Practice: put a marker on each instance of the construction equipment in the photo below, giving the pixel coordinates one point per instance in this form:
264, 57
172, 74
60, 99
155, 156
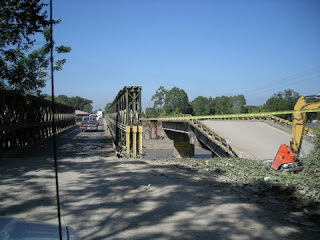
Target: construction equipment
287, 158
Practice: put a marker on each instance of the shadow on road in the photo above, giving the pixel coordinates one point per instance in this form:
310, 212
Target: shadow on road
103, 197
116, 199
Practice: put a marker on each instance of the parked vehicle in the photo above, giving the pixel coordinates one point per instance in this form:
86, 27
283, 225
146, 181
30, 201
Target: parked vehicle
12, 228
89, 123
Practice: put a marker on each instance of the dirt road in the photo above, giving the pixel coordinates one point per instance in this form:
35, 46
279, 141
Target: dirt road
103, 197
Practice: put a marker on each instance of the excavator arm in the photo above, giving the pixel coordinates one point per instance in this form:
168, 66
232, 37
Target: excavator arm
287, 158
299, 123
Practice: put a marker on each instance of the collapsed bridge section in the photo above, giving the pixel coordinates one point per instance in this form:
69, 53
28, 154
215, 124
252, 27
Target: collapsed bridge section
187, 134
254, 139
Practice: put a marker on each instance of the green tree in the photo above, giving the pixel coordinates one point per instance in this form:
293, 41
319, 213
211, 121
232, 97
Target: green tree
291, 97
254, 109
275, 104
315, 115
177, 101
87, 108
81, 103
20, 20
22, 69
159, 97
219, 105
222, 105
77, 102
107, 108
46, 97
63, 99
151, 112
211, 106
238, 104
201, 106
283, 100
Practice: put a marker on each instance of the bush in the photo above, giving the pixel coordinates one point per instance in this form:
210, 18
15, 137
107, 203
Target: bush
312, 162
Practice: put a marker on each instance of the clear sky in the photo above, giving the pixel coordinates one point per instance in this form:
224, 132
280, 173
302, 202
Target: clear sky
206, 47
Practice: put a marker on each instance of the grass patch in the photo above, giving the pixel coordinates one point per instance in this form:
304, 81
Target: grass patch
312, 163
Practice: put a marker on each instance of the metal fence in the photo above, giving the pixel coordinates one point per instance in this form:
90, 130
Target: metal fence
26, 119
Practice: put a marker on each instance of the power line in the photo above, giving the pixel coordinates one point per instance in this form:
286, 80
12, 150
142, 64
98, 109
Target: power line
284, 82
281, 82
263, 90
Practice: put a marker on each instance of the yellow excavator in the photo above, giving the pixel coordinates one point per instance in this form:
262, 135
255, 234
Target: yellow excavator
287, 158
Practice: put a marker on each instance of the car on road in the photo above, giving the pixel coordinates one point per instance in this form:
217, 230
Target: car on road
94, 115
89, 123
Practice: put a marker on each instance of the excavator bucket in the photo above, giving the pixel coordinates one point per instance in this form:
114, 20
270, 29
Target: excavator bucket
285, 160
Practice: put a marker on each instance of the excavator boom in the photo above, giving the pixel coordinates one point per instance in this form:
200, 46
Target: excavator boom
299, 122
287, 158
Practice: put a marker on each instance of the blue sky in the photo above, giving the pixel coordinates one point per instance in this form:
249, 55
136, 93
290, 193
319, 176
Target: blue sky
206, 47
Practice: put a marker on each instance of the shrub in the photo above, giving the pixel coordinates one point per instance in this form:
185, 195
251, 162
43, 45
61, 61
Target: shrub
312, 162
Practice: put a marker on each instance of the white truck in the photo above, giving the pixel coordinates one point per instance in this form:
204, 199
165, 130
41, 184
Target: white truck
99, 114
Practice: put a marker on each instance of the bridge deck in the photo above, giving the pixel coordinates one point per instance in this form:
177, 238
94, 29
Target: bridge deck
253, 139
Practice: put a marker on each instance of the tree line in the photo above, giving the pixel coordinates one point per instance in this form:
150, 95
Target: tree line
77, 102
175, 101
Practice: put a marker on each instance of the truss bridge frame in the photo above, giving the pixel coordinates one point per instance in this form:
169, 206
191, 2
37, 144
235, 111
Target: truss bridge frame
124, 122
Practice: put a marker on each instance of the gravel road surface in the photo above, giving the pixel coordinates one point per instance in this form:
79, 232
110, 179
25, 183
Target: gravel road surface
103, 197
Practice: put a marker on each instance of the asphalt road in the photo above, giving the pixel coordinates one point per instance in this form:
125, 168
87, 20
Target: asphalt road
103, 197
